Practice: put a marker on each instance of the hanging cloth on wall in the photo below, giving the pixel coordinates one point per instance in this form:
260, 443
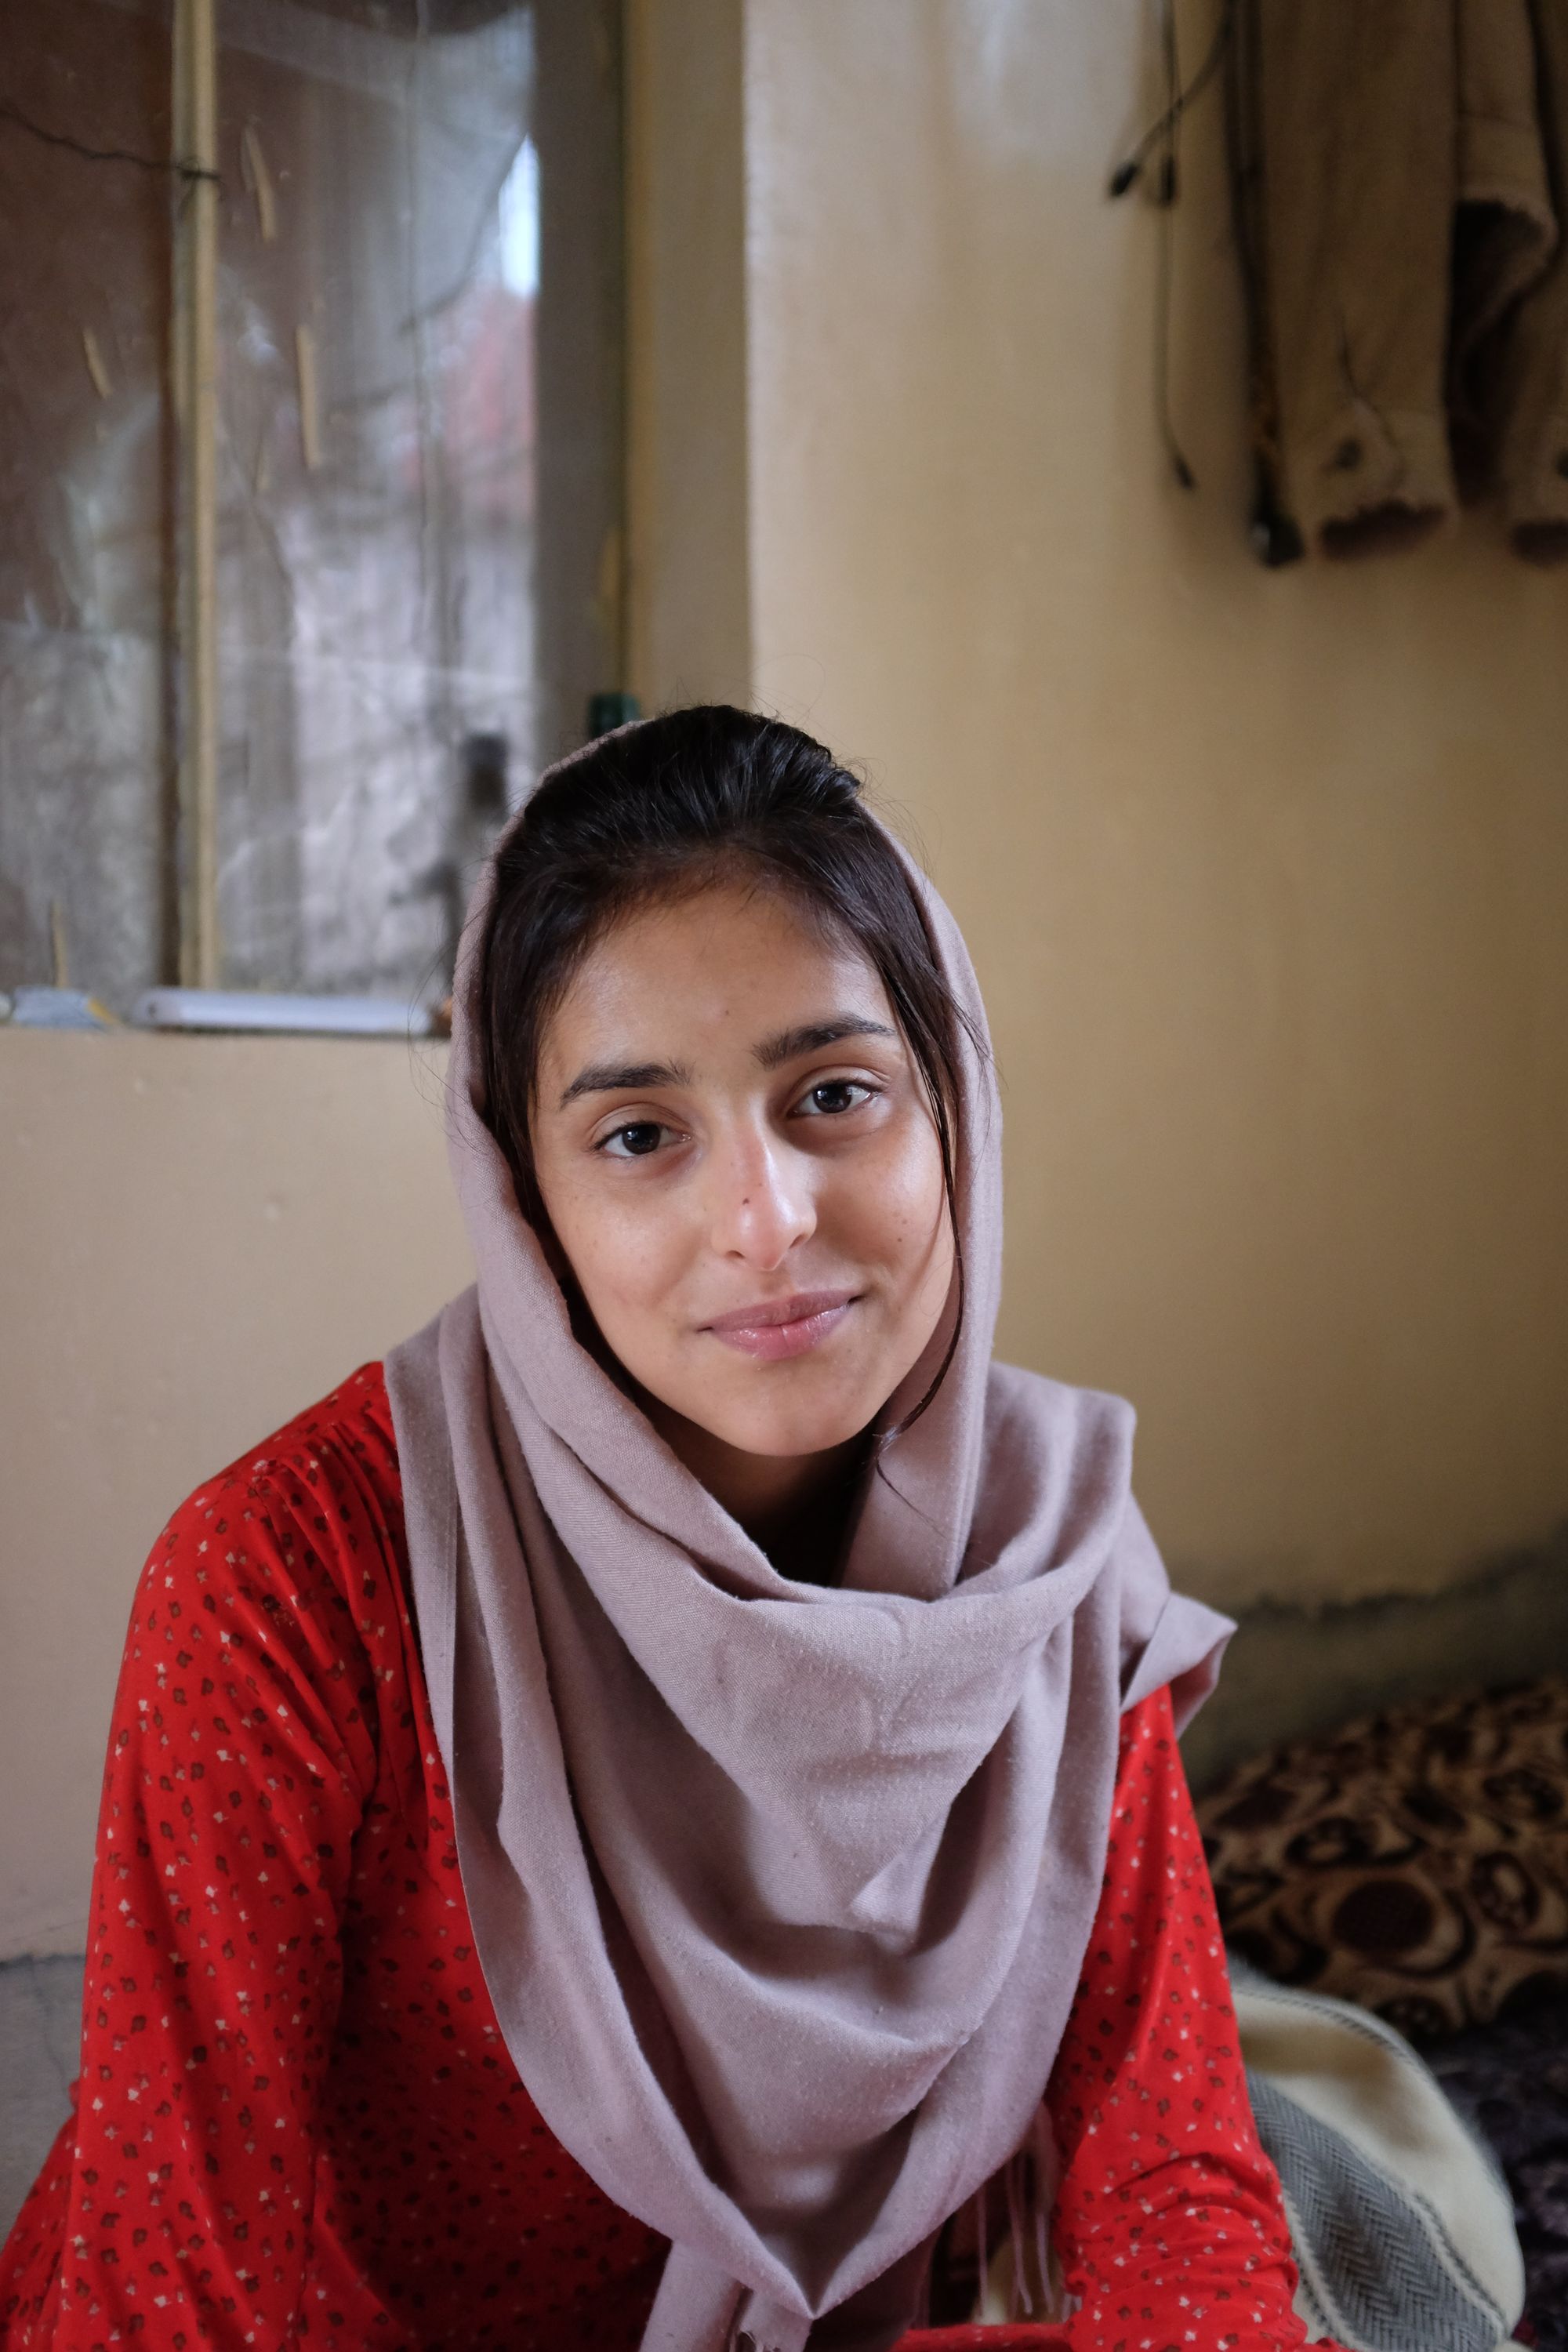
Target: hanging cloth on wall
1398, 174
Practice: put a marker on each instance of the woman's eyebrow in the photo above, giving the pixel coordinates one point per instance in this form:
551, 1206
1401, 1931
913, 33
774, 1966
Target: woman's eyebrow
809, 1037
624, 1077
812, 1035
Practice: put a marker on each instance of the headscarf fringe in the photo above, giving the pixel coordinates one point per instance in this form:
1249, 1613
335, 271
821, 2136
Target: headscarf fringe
1025, 2282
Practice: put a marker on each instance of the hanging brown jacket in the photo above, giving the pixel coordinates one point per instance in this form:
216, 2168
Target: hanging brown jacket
1397, 166
1530, 370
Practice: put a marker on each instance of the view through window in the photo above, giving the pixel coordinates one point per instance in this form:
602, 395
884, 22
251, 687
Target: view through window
415, 485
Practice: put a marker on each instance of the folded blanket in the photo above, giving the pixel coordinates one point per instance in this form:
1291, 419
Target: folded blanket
1402, 2220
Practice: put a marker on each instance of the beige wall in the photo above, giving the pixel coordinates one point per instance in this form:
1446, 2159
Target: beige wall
688, 537
197, 1237
1265, 874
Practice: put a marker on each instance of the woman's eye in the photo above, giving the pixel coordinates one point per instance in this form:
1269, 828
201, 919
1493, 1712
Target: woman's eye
835, 1095
634, 1141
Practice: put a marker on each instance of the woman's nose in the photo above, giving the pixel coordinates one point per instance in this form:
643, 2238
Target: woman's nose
760, 1203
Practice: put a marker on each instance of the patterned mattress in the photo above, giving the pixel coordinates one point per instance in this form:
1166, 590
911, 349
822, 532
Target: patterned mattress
1416, 1862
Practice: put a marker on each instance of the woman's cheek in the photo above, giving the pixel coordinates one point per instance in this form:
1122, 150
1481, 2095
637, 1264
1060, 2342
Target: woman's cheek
890, 1205
634, 1252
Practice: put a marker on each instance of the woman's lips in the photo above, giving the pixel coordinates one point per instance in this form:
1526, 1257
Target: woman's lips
783, 1327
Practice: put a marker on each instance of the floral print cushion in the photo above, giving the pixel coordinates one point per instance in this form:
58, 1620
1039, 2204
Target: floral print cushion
1416, 1862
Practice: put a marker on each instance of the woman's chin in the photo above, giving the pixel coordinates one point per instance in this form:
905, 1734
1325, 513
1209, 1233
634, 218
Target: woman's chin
795, 1444
779, 1427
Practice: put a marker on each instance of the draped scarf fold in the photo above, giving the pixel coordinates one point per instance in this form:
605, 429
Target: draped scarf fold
781, 1890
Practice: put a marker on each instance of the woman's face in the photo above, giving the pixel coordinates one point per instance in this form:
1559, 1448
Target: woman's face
737, 1157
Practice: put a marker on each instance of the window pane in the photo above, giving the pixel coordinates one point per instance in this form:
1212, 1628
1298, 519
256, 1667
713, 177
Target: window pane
416, 583
377, 463
84, 496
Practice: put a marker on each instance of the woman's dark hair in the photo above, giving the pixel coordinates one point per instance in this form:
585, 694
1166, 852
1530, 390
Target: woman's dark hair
667, 807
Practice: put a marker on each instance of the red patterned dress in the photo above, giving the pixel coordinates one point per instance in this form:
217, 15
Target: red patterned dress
296, 2123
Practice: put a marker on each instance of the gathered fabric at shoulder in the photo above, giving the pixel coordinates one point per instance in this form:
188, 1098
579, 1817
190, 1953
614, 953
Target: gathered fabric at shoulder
781, 1889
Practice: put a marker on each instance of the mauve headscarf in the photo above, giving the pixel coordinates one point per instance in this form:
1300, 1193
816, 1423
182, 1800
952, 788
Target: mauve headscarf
781, 1890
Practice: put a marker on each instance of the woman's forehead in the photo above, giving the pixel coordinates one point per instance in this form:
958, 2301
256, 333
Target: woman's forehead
731, 970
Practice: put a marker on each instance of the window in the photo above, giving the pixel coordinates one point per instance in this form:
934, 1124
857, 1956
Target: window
415, 470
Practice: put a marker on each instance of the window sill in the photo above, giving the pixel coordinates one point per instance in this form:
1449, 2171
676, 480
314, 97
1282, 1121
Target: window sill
227, 1013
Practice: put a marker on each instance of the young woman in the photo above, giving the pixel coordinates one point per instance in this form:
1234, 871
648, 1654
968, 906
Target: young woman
617, 1829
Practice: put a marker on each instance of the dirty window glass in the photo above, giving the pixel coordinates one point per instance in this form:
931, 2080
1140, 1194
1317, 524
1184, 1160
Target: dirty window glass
84, 496
416, 472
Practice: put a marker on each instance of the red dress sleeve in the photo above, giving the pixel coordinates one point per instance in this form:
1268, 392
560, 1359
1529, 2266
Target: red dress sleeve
1169, 2220
241, 1750
1168, 2223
